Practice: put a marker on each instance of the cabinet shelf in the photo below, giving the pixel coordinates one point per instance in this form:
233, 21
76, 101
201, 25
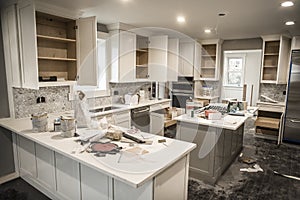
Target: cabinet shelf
269, 66
142, 50
55, 38
145, 65
209, 55
58, 59
271, 54
208, 68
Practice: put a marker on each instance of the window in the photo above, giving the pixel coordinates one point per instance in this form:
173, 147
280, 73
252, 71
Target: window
234, 70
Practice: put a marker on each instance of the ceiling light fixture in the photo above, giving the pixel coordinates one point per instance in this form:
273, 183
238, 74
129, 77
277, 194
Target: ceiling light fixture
287, 4
289, 23
207, 31
180, 19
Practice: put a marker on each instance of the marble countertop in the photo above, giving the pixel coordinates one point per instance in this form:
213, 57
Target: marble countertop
134, 173
124, 107
226, 122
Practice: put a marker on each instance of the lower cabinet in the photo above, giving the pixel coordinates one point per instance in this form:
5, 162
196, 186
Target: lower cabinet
45, 163
216, 149
26, 156
122, 119
67, 177
95, 185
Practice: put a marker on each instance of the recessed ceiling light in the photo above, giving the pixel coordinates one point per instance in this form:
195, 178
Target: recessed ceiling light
287, 4
207, 30
289, 23
180, 19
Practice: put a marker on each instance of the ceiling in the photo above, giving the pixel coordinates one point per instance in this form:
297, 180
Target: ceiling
244, 18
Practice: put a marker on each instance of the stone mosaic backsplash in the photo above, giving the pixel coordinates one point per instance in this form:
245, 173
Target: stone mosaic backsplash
273, 91
25, 100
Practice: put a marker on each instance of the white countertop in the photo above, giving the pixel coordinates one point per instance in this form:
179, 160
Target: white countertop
130, 173
227, 121
123, 107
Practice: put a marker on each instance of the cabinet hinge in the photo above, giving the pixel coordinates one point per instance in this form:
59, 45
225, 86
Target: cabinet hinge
75, 27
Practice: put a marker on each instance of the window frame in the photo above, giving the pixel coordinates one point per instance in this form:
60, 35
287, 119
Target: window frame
230, 55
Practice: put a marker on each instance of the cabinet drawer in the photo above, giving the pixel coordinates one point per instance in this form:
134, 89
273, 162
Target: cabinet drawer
121, 116
267, 122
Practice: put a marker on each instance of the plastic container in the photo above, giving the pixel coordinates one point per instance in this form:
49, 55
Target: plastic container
189, 107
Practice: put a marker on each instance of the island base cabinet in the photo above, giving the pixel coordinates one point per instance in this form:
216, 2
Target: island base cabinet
124, 191
95, 185
26, 156
172, 183
67, 177
45, 167
216, 149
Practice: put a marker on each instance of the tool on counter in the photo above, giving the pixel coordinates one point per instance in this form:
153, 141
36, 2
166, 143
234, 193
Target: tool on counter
137, 140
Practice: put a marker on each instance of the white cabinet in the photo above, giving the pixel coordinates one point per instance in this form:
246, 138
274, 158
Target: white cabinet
275, 59
27, 44
94, 185
10, 41
122, 119
123, 191
208, 60
87, 73
122, 47
47, 47
26, 156
157, 123
158, 58
45, 167
186, 58
67, 177
173, 59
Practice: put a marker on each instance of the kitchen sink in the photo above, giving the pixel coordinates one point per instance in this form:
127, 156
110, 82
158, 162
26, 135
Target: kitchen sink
103, 109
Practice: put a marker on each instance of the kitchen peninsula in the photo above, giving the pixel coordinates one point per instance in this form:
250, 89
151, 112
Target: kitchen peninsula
52, 164
218, 143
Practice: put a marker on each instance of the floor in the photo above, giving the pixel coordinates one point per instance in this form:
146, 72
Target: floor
232, 185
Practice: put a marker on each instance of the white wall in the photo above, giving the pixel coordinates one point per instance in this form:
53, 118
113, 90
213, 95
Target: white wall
251, 78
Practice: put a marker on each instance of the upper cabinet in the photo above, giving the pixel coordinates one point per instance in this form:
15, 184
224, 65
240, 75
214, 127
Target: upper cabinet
122, 56
275, 59
142, 58
51, 48
158, 58
173, 59
186, 58
208, 62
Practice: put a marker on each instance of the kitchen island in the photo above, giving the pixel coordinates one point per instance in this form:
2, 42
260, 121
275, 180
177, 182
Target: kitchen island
54, 166
218, 144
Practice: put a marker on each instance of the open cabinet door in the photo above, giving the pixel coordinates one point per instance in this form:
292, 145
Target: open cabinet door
87, 73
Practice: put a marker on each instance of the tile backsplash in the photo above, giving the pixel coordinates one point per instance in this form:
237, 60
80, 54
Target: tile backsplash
273, 91
25, 100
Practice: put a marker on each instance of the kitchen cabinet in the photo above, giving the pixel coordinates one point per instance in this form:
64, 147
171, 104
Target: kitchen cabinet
45, 163
27, 44
26, 156
186, 58
94, 185
10, 41
67, 177
269, 120
122, 119
123, 56
142, 58
275, 59
208, 64
173, 59
158, 58
48, 46
216, 149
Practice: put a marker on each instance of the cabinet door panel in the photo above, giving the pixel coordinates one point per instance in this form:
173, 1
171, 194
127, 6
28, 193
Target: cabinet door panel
123, 191
26, 153
186, 50
94, 185
158, 58
28, 44
173, 59
157, 124
127, 56
45, 166
67, 177
86, 45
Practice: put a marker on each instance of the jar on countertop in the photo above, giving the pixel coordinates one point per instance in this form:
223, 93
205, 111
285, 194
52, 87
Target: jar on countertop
39, 122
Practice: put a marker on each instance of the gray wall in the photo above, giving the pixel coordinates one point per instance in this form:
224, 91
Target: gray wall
242, 44
4, 106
